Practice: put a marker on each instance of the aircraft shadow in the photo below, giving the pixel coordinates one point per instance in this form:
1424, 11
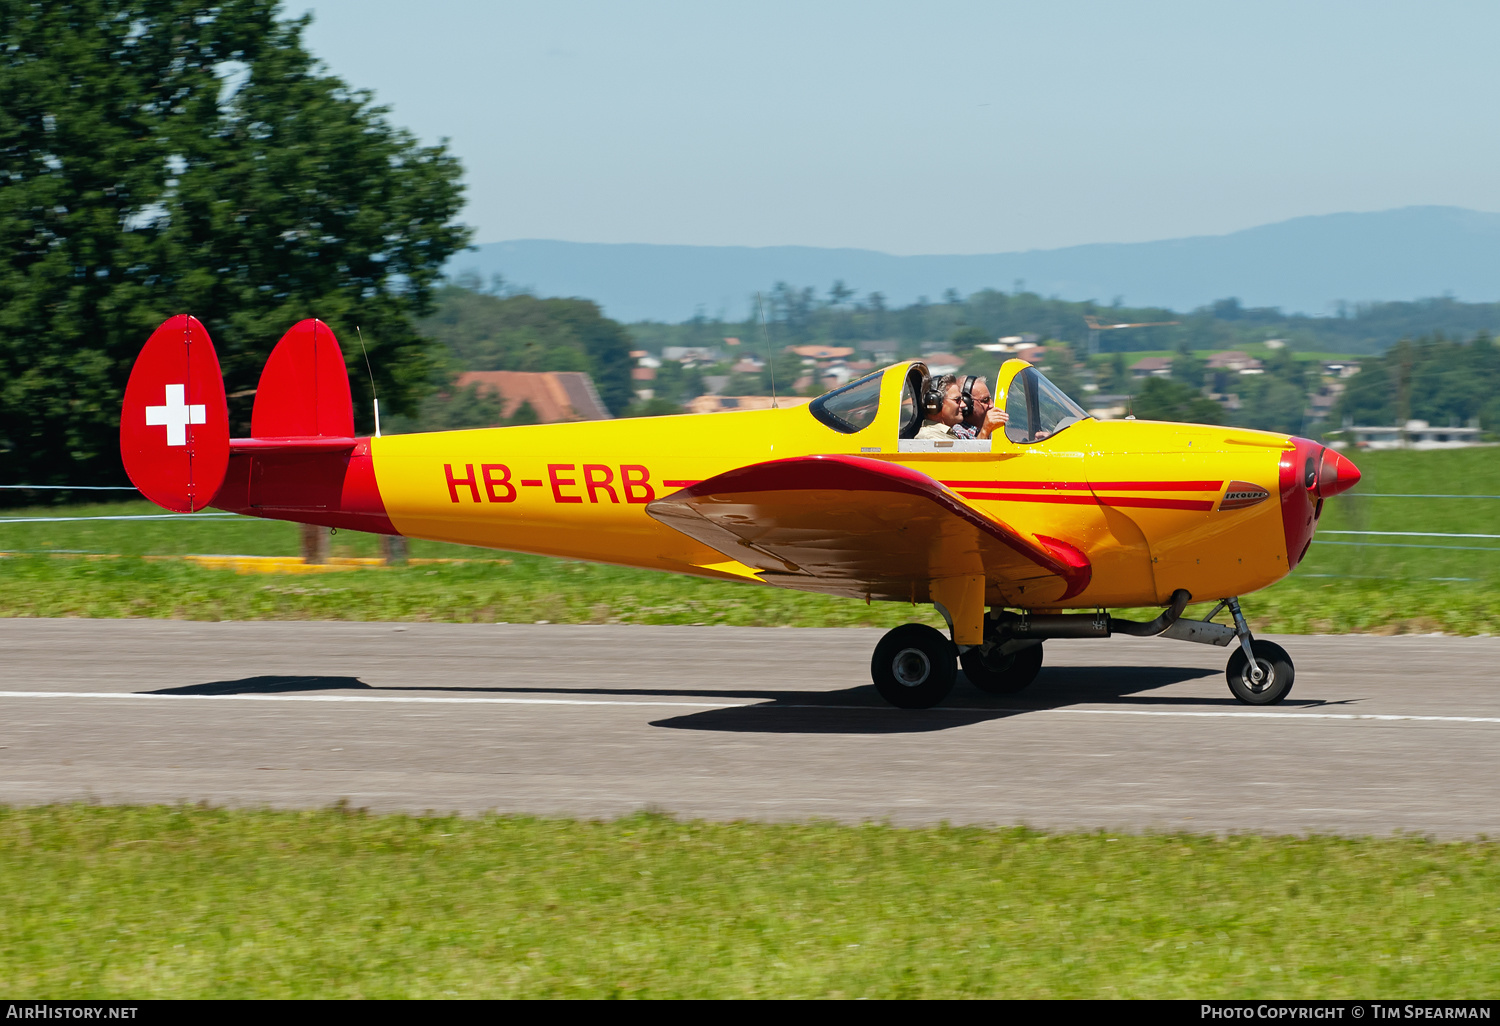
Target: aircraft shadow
850, 712
856, 710
268, 686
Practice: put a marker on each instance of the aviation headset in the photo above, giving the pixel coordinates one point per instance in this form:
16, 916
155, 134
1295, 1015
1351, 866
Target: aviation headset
933, 400
966, 397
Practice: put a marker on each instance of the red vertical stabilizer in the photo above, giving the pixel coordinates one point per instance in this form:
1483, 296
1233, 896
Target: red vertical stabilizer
174, 423
304, 388
303, 462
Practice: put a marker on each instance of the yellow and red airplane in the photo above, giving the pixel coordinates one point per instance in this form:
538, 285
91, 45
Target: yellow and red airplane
837, 496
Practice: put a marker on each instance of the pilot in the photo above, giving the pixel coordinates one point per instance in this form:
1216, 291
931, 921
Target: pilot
942, 409
979, 417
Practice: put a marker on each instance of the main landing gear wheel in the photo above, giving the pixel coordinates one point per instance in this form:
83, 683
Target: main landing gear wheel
913, 667
1002, 674
1276, 667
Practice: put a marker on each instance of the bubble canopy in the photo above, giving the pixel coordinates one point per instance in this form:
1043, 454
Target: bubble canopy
1037, 408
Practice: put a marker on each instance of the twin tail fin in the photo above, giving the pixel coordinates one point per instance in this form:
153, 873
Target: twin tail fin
174, 423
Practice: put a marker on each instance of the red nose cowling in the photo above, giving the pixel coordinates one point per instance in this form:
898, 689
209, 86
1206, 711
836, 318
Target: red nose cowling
1336, 474
1309, 474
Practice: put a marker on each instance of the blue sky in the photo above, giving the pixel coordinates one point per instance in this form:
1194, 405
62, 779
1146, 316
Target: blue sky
931, 127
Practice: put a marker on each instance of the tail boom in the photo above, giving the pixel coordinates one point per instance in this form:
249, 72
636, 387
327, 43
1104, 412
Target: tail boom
311, 481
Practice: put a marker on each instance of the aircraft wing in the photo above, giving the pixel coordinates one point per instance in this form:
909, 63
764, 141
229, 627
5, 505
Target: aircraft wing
849, 525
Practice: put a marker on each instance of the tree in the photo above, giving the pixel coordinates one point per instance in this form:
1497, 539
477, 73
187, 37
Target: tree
1162, 399
525, 414
524, 333
450, 410
1119, 375
657, 407
968, 337
136, 181
1061, 368
1186, 367
1271, 404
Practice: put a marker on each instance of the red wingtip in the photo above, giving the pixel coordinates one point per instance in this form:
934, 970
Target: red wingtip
1337, 474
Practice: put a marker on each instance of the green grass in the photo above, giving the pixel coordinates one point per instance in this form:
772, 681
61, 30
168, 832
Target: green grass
532, 589
1461, 472
520, 589
242, 536
184, 902
1340, 587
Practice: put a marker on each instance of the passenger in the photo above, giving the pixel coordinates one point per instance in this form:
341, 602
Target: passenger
941, 409
980, 418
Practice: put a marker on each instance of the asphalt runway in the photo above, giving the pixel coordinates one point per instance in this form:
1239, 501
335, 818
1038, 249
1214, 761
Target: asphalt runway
1380, 734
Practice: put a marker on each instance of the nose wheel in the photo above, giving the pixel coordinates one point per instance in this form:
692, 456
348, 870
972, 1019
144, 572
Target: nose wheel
914, 667
1264, 679
1275, 678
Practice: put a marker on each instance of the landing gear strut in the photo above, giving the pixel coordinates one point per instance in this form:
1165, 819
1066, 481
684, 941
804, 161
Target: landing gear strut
1259, 672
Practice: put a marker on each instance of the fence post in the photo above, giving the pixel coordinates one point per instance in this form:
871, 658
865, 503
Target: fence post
314, 544
393, 547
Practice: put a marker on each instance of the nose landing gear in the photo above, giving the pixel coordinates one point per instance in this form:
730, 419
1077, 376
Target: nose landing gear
1274, 679
1259, 672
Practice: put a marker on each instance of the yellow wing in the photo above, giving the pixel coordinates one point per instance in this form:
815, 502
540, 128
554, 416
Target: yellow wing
848, 525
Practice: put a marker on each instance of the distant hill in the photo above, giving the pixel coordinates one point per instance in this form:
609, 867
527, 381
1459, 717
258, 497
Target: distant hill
1305, 265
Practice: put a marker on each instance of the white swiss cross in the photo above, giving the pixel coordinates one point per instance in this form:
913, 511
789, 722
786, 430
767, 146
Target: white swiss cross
176, 415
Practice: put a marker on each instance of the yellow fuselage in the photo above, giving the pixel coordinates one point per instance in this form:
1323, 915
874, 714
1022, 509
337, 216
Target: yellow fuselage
1144, 501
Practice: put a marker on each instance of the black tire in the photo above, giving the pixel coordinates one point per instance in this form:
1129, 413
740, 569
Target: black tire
1274, 663
997, 674
914, 667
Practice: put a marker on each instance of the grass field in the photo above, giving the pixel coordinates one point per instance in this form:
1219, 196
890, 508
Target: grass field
1349, 581
186, 902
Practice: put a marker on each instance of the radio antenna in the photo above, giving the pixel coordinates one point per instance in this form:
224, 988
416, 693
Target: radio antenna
770, 359
373, 397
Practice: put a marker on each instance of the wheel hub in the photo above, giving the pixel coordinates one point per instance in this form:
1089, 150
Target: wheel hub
911, 667
1259, 677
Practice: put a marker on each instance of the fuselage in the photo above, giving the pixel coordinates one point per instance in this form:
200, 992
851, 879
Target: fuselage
1154, 506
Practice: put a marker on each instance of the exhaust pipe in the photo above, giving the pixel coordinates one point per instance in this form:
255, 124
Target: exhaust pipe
1180, 598
1023, 627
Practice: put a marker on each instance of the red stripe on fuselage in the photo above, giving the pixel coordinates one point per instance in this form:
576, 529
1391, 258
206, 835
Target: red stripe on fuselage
1085, 500
1139, 502
1143, 502
1105, 486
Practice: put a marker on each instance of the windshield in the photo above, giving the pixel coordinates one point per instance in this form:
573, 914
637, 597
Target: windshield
850, 408
1037, 408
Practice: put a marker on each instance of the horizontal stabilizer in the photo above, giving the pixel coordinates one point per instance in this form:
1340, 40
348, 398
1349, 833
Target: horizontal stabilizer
317, 443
